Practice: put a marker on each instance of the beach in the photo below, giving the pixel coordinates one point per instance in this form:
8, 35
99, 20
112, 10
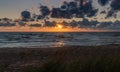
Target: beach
60, 36
105, 58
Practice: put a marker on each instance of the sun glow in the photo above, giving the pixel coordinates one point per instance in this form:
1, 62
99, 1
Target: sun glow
59, 26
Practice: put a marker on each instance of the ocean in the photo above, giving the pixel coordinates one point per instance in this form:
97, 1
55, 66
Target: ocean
44, 39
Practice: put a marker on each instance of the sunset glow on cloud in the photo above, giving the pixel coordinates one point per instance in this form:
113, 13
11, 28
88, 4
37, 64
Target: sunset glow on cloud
72, 15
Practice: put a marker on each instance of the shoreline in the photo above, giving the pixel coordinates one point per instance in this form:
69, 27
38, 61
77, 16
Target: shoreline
52, 47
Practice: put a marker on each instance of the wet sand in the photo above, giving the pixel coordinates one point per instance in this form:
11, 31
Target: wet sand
24, 59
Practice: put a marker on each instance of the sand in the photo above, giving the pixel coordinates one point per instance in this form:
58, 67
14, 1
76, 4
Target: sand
18, 59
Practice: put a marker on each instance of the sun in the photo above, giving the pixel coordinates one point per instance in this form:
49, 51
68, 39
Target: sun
59, 26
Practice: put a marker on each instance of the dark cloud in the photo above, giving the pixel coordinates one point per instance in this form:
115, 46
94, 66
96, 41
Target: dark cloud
74, 24
26, 15
55, 13
110, 14
103, 12
7, 24
85, 23
104, 25
92, 13
115, 7
85, 6
87, 9
45, 11
65, 11
116, 25
88, 24
50, 24
79, 8
103, 2
21, 24
115, 4
35, 25
40, 17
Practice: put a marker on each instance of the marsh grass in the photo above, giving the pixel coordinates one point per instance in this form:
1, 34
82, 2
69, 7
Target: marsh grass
82, 60
65, 59
78, 66
3, 67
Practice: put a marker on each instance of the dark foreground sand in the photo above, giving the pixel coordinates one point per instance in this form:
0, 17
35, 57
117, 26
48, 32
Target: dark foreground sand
61, 59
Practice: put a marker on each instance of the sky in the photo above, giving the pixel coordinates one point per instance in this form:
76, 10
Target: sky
109, 8
13, 8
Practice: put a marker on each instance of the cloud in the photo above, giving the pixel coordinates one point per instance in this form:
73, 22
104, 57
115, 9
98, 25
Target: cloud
109, 25
103, 2
116, 25
35, 25
50, 24
88, 24
21, 24
26, 14
104, 25
85, 23
110, 14
45, 11
79, 9
103, 12
7, 24
73, 24
115, 5
92, 13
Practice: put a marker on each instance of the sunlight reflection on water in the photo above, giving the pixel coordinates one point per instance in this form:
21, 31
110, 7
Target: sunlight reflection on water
60, 44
